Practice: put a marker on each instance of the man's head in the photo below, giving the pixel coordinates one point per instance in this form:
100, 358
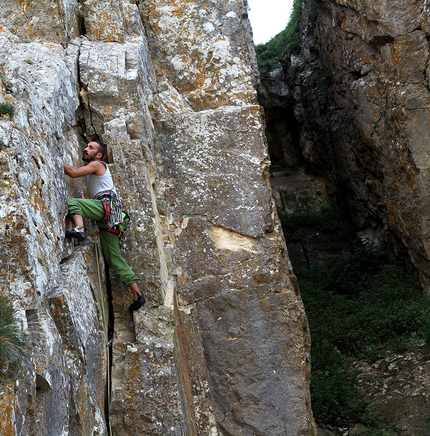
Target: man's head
93, 151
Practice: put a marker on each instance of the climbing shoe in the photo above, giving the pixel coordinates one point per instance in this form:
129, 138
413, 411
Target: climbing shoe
75, 233
137, 304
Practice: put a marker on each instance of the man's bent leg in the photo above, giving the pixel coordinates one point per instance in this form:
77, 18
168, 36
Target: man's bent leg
87, 208
113, 256
79, 208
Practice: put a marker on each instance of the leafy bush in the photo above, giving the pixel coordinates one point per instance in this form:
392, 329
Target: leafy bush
12, 344
270, 54
370, 301
335, 400
361, 304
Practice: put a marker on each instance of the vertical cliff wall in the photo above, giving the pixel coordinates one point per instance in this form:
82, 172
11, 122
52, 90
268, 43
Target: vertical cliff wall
221, 347
359, 90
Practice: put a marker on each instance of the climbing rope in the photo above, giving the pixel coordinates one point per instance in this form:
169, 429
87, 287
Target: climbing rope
106, 329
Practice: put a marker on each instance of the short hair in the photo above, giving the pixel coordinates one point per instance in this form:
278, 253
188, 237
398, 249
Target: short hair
101, 147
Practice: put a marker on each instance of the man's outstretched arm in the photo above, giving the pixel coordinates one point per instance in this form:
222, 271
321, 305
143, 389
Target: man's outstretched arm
93, 167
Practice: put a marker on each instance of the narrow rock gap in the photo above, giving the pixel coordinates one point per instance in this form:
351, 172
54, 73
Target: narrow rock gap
110, 335
64, 260
84, 107
80, 111
81, 25
84, 113
81, 20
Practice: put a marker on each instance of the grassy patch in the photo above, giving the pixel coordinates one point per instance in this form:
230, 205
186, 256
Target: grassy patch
12, 344
6, 110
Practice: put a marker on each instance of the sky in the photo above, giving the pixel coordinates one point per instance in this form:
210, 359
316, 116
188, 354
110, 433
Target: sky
268, 18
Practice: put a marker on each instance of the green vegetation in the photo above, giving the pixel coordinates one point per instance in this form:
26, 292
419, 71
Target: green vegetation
360, 305
318, 80
12, 344
313, 11
303, 227
270, 54
6, 110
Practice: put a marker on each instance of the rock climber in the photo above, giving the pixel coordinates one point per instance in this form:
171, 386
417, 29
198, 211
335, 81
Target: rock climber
100, 185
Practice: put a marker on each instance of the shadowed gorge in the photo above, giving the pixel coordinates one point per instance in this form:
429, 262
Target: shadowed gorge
345, 91
222, 344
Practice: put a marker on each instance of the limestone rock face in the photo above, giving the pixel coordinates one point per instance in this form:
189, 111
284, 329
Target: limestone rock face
222, 346
360, 95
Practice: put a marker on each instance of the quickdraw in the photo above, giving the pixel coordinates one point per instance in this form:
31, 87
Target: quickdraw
117, 219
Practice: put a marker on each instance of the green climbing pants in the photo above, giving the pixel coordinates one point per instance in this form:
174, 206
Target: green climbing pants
93, 209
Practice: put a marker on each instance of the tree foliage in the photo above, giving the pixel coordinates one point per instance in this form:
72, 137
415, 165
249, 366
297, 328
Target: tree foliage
270, 54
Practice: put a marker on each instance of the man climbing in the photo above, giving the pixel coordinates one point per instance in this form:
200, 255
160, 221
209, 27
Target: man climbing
100, 185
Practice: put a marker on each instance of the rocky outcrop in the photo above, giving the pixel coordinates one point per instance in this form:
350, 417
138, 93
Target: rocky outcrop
222, 346
359, 93
397, 388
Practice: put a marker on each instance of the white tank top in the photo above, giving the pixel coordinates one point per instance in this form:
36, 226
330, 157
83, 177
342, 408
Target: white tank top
97, 184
